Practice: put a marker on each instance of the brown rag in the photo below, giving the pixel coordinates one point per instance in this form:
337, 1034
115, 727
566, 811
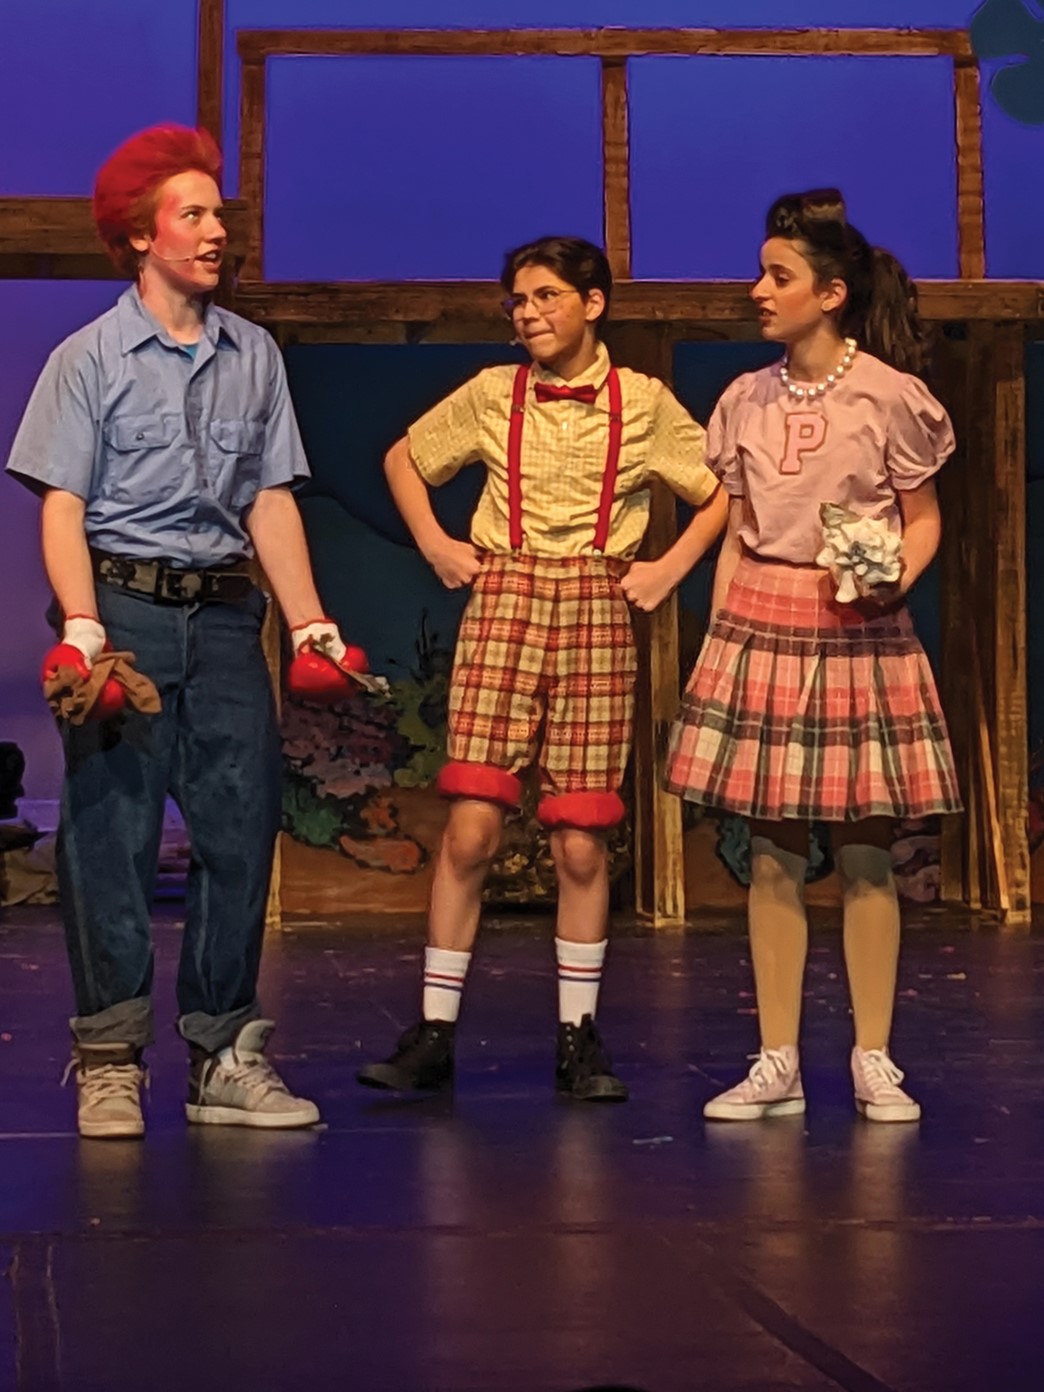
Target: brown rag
72, 696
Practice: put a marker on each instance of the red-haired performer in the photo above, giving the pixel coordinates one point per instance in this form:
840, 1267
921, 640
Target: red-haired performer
545, 663
162, 441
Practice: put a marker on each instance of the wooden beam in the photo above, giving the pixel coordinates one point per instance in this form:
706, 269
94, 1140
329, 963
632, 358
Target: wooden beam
210, 67
699, 303
957, 580
984, 621
971, 231
254, 45
659, 862
616, 167
1005, 658
252, 163
43, 237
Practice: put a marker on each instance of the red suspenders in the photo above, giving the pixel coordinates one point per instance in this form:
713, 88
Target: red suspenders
612, 460
514, 467
518, 416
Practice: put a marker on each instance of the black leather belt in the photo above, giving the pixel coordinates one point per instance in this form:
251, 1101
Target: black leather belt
167, 584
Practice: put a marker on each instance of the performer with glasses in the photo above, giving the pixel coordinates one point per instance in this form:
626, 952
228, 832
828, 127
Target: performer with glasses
545, 664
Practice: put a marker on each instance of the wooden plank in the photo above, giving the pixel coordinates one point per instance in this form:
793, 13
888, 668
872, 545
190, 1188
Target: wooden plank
699, 303
658, 849
971, 230
954, 561
616, 166
1007, 660
994, 854
252, 164
256, 44
48, 227
210, 67
65, 226
986, 598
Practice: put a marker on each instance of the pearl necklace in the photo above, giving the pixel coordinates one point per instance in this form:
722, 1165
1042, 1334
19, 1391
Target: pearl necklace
809, 393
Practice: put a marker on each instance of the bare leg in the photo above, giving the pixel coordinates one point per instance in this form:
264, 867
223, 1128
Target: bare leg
469, 844
582, 862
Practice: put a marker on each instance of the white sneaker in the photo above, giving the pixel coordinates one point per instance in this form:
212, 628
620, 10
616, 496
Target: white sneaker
109, 1080
239, 1087
771, 1088
878, 1095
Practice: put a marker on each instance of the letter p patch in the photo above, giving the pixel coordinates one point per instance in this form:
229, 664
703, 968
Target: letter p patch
806, 431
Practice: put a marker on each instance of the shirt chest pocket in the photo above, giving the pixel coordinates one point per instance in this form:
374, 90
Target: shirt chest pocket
236, 456
141, 461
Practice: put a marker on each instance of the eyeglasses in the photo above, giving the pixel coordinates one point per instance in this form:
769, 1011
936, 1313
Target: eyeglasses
544, 301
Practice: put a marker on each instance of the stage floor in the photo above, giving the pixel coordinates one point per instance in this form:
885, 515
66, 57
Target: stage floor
507, 1241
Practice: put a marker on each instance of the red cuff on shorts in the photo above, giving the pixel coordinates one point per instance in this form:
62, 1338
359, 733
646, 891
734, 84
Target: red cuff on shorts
485, 781
590, 811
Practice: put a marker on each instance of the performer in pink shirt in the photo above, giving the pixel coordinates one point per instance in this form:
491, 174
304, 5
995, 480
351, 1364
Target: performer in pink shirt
802, 708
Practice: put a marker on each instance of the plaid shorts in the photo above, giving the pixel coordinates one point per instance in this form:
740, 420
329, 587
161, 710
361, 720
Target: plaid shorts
802, 708
545, 671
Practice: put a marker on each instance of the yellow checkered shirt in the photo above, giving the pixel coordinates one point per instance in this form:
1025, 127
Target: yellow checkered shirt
564, 446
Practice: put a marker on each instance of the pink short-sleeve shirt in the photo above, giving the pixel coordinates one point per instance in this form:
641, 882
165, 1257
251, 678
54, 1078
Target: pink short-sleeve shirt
874, 434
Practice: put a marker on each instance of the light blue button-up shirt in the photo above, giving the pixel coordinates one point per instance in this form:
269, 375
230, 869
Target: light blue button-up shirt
168, 452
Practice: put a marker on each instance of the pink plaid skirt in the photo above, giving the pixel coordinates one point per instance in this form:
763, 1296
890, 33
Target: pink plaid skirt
801, 708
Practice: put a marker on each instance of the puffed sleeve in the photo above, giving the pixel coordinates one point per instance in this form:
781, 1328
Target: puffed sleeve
722, 437
447, 437
920, 436
676, 453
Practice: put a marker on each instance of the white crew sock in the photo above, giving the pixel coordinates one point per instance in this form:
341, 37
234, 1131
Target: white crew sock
579, 977
444, 973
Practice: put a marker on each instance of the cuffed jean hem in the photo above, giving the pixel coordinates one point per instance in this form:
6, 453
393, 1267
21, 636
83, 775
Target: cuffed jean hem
126, 1022
214, 1032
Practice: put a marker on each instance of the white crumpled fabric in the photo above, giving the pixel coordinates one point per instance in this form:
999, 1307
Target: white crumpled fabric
860, 552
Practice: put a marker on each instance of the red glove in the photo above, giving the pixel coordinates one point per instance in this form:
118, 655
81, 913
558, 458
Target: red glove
321, 663
83, 640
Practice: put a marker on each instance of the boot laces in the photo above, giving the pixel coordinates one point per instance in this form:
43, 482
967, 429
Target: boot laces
591, 1055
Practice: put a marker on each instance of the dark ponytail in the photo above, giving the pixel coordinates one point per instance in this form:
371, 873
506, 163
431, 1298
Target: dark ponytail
881, 311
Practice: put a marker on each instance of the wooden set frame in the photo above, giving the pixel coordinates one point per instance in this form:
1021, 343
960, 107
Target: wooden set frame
986, 856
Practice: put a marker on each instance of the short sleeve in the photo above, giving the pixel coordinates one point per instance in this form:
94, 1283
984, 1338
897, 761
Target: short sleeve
447, 437
722, 438
57, 441
920, 436
678, 451
284, 458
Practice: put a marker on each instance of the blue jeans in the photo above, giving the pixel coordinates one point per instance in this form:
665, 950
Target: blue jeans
214, 748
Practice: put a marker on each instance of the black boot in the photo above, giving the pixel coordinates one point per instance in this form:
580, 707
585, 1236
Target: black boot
584, 1069
422, 1061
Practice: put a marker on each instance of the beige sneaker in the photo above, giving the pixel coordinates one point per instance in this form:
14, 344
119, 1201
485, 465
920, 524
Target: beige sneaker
771, 1088
878, 1095
109, 1079
239, 1087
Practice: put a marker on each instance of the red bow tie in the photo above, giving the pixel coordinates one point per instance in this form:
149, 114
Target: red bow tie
544, 392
